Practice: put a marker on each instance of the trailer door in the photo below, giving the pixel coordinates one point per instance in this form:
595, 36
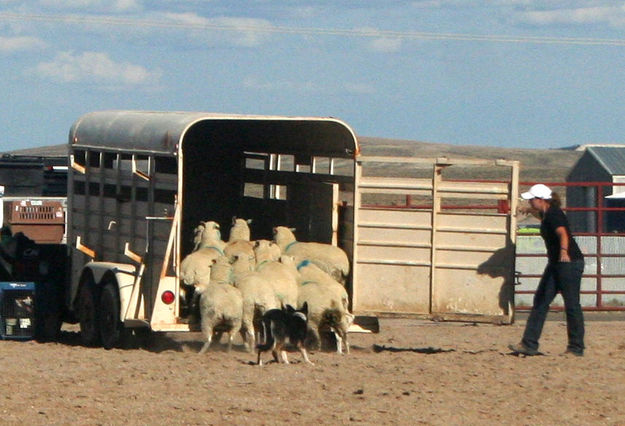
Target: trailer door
434, 247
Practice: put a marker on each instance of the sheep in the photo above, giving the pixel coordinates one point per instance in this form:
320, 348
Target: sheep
329, 258
221, 304
281, 277
327, 304
195, 267
258, 297
239, 240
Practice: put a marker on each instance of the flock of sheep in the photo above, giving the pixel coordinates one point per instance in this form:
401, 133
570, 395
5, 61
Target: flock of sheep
236, 282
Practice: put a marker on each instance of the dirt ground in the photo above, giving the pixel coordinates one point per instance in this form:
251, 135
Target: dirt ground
412, 372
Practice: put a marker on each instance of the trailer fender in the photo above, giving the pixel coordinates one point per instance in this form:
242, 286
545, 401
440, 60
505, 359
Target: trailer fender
124, 274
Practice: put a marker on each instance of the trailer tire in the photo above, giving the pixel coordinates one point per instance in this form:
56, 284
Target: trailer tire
87, 313
110, 326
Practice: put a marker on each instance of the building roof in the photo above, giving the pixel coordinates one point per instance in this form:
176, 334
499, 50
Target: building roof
612, 158
40, 151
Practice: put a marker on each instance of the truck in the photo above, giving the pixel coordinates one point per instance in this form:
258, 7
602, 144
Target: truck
140, 182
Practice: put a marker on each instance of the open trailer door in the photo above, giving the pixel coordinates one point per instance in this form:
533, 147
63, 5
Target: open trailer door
433, 245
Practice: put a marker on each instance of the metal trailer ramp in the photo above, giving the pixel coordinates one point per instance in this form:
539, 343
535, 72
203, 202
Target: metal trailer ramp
446, 253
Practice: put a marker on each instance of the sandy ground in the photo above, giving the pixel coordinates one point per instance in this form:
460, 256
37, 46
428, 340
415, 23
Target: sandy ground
412, 372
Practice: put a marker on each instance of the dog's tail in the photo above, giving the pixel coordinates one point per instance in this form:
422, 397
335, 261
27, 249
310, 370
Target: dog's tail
268, 336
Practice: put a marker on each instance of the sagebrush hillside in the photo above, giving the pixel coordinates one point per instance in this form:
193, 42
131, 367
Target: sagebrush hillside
545, 165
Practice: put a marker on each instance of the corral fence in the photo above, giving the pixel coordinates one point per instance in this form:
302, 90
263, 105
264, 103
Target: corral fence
596, 213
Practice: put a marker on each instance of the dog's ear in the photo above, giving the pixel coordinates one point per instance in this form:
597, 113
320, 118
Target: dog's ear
304, 308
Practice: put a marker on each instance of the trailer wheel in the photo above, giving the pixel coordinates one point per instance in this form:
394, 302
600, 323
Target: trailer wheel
87, 314
109, 324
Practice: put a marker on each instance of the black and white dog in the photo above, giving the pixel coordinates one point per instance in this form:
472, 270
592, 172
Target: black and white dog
282, 326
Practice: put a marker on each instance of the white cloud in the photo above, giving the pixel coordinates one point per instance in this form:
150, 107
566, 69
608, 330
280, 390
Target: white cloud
614, 16
306, 87
239, 31
385, 44
378, 41
14, 44
101, 5
295, 86
95, 67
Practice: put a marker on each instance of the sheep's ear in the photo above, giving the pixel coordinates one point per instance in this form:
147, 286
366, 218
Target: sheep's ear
249, 221
292, 229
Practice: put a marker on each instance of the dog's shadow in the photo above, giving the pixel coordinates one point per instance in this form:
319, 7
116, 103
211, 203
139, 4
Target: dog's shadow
428, 351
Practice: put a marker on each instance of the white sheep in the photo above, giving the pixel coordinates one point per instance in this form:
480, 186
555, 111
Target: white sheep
258, 297
329, 258
239, 243
327, 304
281, 277
195, 267
221, 305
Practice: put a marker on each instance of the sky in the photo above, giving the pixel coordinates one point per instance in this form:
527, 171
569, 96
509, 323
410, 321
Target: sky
501, 73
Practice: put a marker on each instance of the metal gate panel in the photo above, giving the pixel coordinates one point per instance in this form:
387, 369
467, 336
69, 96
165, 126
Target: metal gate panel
393, 288
423, 258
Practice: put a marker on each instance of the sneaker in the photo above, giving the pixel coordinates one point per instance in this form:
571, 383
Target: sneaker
573, 353
520, 348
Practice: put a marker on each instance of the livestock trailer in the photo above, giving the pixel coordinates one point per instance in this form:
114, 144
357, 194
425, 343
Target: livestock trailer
140, 182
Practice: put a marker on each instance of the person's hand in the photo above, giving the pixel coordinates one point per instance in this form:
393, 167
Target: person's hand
564, 256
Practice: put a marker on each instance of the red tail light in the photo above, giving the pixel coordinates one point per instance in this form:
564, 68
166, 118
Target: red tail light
168, 297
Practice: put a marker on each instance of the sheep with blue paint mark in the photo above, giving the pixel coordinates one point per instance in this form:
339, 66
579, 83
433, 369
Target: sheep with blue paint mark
331, 259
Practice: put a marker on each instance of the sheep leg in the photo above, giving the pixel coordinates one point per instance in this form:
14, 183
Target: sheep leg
218, 336
339, 341
209, 335
230, 339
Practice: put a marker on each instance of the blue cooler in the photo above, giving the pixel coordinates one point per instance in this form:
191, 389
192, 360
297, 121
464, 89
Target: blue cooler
17, 310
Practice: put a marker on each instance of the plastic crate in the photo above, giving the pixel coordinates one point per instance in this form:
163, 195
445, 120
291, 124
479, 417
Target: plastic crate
17, 310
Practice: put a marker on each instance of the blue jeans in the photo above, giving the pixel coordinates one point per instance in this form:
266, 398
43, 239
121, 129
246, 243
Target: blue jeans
563, 277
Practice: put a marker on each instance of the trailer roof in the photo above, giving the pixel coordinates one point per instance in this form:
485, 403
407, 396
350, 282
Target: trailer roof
162, 132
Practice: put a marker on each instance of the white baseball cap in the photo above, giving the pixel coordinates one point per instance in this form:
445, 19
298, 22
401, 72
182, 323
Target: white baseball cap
537, 191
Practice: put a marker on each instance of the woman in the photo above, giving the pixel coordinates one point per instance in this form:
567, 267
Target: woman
563, 274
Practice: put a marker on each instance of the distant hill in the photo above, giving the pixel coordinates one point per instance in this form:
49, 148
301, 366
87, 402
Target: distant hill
547, 165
